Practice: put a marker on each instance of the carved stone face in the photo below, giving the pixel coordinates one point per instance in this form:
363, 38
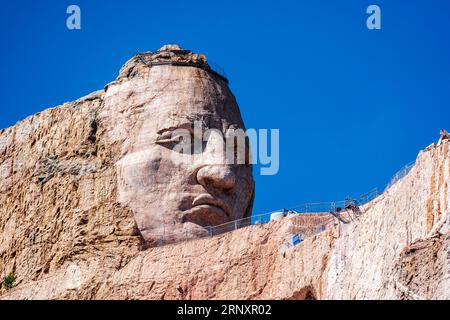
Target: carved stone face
174, 195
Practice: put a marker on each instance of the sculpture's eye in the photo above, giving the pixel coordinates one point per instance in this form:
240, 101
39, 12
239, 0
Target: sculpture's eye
169, 139
182, 141
172, 138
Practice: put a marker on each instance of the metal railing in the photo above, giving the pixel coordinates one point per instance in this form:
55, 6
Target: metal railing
305, 208
208, 66
260, 219
319, 207
403, 172
218, 69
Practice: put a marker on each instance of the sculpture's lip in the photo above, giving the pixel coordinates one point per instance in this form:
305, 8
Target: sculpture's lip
207, 199
207, 210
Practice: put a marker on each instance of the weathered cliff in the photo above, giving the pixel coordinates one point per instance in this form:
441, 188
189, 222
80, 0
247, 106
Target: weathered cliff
65, 234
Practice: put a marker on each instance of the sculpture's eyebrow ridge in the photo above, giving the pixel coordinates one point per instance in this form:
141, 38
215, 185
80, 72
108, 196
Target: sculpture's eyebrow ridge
187, 126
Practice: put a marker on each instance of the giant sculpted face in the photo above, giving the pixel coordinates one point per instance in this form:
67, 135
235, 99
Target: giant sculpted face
172, 194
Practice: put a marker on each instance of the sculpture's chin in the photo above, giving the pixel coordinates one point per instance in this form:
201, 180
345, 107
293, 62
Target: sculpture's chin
192, 230
181, 232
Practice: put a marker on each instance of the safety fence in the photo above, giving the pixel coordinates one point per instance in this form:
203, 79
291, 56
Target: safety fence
210, 67
218, 69
254, 221
334, 207
319, 207
301, 210
403, 172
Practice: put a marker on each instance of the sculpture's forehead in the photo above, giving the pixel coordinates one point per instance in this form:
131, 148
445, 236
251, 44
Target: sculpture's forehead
176, 115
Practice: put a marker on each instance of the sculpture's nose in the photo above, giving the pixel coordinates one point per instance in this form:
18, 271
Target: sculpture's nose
217, 176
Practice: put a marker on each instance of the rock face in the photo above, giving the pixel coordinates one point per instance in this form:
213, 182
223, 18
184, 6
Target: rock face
104, 171
85, 188
173, 194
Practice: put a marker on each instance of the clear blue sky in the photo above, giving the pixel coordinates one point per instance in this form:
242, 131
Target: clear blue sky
352, 105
